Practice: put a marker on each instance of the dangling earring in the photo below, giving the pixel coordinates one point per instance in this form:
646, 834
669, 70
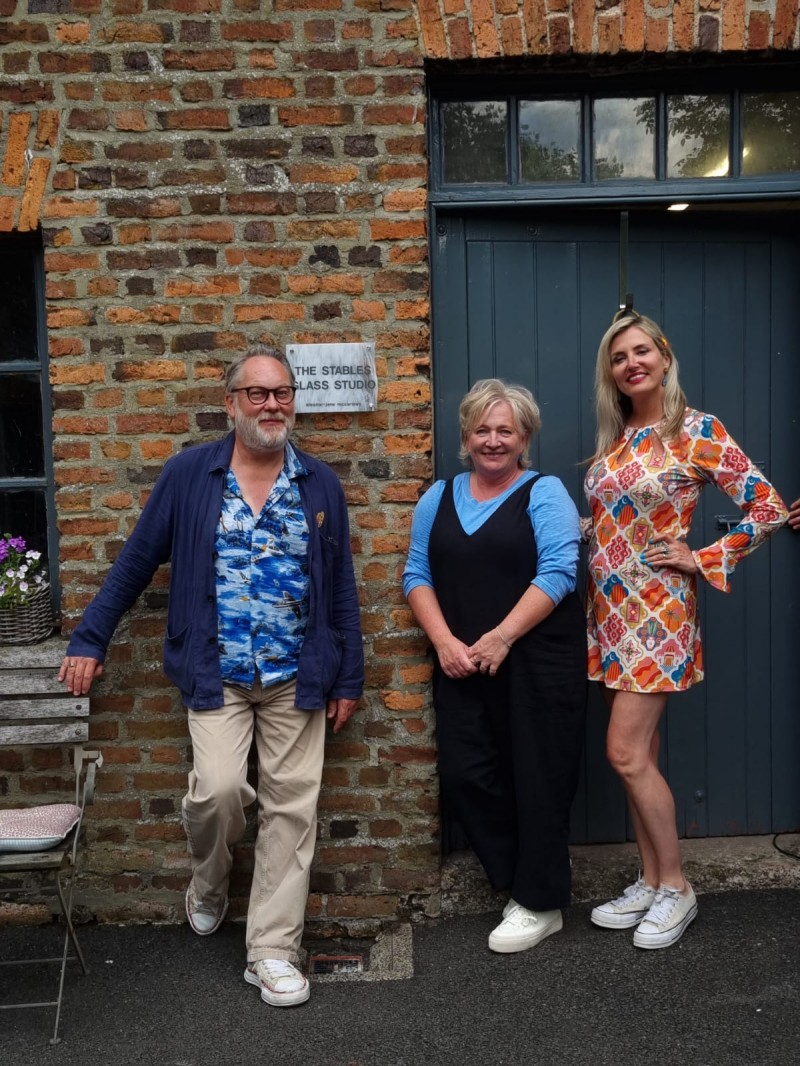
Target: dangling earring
664, 379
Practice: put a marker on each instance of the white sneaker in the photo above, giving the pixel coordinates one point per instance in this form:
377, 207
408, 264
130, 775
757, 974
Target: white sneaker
521, 929
626, 910
281, 984
668, 919
204, 918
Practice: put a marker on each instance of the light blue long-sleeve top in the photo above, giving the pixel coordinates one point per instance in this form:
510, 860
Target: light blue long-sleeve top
553, 515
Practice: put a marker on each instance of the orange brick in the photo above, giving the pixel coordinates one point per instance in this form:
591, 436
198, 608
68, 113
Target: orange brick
657, 35
47, 129
283, 312
309, 173
486, 42
733, 25
14, 167
384, 230
582, 19
390, 115
66, 207
346, 283
759, 30
72, 33
511, 32
433, 35
405, 200
341, 115
683, 26
633, 27
368, 311
35, 183
160, 313
8, 211
785, 16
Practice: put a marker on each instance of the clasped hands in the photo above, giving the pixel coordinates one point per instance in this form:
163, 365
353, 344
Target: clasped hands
485, 656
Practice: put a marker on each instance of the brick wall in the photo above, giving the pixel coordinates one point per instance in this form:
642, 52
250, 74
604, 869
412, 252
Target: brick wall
206, 176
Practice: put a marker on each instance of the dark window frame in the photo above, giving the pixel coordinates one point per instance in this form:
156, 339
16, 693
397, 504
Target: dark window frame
31, 246
623, 80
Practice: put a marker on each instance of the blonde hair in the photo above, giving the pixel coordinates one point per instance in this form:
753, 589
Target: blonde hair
612, 409
483, 395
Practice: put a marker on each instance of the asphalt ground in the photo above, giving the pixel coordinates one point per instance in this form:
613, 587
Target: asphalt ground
728, 994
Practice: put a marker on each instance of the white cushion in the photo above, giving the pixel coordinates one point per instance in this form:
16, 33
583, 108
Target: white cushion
37, 828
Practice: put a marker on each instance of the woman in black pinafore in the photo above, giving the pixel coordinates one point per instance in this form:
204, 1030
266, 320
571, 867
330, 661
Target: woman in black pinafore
491, 579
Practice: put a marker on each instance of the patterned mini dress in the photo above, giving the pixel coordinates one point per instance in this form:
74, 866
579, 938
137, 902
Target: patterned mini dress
644, 634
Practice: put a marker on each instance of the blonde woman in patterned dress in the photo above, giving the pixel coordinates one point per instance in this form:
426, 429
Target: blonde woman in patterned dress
654, 455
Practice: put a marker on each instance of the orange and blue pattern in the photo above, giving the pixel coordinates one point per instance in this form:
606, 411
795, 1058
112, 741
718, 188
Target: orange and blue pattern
644, 635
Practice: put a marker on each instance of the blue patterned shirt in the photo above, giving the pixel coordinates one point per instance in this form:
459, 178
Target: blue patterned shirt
262, 581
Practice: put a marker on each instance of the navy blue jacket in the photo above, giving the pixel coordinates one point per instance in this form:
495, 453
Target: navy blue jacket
178, 524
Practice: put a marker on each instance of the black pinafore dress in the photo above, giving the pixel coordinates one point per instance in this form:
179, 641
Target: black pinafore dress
509, 746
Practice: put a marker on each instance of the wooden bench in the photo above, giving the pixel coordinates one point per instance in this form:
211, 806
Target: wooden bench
44, 838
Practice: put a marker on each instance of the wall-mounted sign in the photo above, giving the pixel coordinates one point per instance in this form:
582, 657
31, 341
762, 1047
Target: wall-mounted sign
334, 377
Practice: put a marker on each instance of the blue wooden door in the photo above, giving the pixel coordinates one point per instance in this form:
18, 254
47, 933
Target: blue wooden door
525, 296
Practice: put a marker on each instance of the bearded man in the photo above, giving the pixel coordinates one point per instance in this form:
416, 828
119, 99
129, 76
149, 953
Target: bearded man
262, 637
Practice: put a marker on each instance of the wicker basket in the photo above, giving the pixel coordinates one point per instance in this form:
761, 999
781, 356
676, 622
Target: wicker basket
30, 622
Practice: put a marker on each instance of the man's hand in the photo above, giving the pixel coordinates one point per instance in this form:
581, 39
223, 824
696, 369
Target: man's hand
78, 672
339, 712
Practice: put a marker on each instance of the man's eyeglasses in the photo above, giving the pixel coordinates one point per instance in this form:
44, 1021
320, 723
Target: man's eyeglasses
284, 394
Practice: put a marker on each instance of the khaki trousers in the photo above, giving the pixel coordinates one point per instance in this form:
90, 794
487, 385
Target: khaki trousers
290, 745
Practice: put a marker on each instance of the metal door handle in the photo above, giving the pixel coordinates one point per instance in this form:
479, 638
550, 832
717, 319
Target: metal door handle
726, 522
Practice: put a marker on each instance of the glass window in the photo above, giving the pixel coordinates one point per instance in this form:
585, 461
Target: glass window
698, 136
21, 430
624, 138
770, 133
474, 142
26, 481
549, 139
17, 307
23, 513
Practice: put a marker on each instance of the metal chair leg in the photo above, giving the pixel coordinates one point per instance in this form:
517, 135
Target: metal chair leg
66, 910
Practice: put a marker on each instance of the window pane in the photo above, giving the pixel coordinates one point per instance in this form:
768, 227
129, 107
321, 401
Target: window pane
770, 133
624, 138
474, 136
17, 304
698, 136
21, 433
23, 514
549, 135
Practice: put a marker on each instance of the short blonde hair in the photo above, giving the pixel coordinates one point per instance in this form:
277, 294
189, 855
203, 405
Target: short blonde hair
612, 409
483, 395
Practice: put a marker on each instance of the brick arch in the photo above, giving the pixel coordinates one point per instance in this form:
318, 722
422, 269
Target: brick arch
26, 162
491, 29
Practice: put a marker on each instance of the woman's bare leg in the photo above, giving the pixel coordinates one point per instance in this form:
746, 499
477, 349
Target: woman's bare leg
632, 745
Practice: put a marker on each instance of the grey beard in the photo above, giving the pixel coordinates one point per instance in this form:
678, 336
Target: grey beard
253, 436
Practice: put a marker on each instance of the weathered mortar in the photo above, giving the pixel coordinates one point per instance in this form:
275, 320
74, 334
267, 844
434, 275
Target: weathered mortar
206, 176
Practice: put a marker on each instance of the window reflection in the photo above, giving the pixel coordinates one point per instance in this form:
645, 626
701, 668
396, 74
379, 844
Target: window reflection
549, 138
474, 141
698, 136
624, 138
770, 133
